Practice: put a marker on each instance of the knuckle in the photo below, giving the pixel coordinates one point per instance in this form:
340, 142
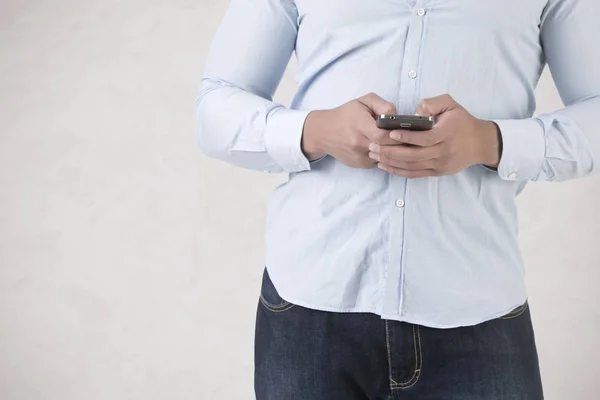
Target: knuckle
355, 148
355, 104
354, 141
438, 153
419, 154
442, 164
364, 134
359, 162
378, 137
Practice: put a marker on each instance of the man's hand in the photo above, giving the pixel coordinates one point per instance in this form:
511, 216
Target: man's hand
347, 131
457, 141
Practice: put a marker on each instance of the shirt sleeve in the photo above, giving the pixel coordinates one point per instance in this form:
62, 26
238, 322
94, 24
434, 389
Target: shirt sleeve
236, 119
565, 144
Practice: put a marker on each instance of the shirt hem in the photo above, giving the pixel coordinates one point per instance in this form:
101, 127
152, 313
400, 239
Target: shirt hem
404, 318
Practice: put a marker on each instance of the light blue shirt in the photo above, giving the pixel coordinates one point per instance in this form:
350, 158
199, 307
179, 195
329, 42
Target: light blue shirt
439, 251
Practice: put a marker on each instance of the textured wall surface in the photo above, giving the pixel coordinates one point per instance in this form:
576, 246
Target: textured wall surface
130, 263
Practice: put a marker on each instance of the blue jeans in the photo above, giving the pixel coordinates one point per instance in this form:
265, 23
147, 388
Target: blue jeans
304, 354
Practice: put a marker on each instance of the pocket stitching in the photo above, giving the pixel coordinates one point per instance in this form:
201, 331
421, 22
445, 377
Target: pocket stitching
518, 312
418, 362
273, 308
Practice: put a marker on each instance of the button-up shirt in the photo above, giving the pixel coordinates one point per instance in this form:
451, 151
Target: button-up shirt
436, 251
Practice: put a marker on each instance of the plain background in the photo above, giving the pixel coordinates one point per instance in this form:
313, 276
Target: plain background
130, 263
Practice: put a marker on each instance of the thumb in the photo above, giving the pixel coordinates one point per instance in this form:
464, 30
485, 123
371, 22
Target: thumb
436, 105
377, 105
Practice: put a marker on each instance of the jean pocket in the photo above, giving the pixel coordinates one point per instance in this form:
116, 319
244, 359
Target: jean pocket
516, 312
270, 298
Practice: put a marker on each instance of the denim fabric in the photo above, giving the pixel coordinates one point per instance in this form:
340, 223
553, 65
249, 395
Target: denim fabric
305, 354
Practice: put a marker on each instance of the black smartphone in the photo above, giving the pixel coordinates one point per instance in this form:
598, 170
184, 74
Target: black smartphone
392, 122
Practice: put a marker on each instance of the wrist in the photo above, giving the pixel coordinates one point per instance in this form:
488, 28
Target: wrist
312, 135
491, 144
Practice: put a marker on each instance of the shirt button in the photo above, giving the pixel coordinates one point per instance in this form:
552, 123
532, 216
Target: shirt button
399, 203
420, 12
412, 74
512, 176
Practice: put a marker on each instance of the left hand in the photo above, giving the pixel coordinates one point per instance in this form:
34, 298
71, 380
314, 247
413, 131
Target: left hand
457, 141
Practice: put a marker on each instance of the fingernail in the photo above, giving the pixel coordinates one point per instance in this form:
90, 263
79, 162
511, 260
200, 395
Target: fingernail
374, 147
374, 156
381, 166
396, 135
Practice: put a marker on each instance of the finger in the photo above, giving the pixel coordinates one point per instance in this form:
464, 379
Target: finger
407, 173
428, 138
377, 135
407, 165
365, 162
406, 153
359, 144
436, 105
377, 105
382, 137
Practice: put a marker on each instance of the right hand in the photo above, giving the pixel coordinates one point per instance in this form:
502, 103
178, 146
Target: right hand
346, 132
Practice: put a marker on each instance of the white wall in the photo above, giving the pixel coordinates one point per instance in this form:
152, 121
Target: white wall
130, 263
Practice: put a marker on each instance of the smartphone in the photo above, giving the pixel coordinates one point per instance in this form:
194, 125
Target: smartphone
391, 122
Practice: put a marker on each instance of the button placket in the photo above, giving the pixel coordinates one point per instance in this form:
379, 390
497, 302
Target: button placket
400, 187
